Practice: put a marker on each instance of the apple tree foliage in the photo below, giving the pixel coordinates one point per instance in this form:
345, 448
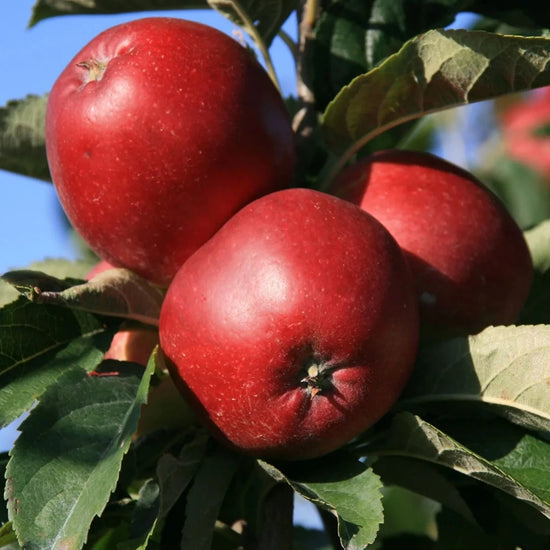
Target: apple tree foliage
462, 460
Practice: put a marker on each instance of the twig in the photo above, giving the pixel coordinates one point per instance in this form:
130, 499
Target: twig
305, 119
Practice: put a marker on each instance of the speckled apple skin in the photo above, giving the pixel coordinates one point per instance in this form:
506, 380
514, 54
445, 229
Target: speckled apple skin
296, 282
157, 132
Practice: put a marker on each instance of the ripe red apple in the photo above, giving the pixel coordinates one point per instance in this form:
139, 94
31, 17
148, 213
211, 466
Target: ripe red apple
469, 258
526, 131
157, 132
294, 328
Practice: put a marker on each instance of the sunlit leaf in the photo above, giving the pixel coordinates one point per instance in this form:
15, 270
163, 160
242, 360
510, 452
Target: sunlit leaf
506, 368
433, 71
66, 462
116, 292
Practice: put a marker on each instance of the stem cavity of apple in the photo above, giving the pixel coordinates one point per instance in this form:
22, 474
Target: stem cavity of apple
94, 70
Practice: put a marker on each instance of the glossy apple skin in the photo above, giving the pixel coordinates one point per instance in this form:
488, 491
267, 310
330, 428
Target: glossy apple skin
295, 281
520, 123
470, 261
151, 155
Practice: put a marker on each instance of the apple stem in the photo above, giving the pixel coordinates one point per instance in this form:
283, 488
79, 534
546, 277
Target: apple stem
94, 68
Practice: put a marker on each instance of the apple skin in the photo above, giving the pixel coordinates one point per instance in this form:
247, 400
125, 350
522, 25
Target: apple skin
520, 122
157, 132
294, 328
469, 258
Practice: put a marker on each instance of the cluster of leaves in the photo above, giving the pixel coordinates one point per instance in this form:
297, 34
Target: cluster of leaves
461, 461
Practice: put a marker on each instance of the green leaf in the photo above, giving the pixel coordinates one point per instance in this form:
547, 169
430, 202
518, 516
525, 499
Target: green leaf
410, 436
266, 17
175, 473
66, 462
344, 486
205, 497
434, 71
117, 292
57, 267
422, 478
537, 306
22, 137
40, 343
62, 268
51, 8
144, 519
352, 37
506, 368
516, 452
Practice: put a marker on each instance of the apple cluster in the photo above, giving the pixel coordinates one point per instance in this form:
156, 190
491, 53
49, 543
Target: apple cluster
292, 317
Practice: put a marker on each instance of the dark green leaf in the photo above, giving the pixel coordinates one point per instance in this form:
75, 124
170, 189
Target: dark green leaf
352, 37
537, 307
504, 368
266, 17
410, 436
310, 539
40, 343
422, 478
342, 485
434, 71
529, 13
116, 292
51, 8
66, 462
205, 498
516, 452
455, 533
144, 518
22, 137
175, 473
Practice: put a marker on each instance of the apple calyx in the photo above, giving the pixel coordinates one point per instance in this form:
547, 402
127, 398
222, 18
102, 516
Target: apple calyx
94, 68
318, 378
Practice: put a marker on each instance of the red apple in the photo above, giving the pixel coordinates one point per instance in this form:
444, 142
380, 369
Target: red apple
157, 132
526, 131
469, 258
294, 328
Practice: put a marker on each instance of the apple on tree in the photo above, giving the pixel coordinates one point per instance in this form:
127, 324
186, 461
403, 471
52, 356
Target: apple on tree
294, 328
526, 131
157, 132
470, 261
